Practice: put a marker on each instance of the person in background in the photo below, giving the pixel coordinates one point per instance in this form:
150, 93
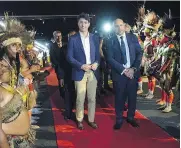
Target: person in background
58, 52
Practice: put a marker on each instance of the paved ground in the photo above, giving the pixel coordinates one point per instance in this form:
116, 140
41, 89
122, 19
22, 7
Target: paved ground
46, 138
45, 135
170, 122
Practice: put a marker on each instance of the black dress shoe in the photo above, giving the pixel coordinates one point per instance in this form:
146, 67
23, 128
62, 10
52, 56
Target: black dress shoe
133, 122
118, 125
93, 125
66, 118
80, 125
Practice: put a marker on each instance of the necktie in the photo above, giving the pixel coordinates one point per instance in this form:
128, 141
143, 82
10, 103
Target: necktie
123, 50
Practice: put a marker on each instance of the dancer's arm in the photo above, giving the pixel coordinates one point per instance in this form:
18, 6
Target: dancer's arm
3, 139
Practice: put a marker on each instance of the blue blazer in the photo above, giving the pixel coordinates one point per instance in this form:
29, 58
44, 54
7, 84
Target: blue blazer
114, 56
76, 55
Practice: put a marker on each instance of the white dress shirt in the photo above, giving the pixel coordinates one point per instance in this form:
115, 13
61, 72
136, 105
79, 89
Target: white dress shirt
86, 46
127, 65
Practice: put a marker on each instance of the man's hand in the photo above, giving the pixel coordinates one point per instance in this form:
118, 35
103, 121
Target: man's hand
129, 72
94, 66
61, 81
86, 67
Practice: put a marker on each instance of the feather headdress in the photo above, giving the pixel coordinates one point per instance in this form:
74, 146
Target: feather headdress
12, 31
150, 20
141, 14
139, 20
168, 25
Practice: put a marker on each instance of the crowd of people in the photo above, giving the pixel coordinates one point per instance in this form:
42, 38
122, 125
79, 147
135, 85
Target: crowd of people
82, 66
156, 56
160, 60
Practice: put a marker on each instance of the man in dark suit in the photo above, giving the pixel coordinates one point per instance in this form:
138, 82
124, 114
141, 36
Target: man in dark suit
83, 54
104, 68
63, 69
124, 54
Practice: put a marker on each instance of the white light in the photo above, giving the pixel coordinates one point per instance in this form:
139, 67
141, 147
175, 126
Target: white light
36, 49
39, 45
46, 44
107, 27
2, 24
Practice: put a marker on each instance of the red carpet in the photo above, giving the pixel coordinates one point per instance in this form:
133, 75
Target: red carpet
149, 135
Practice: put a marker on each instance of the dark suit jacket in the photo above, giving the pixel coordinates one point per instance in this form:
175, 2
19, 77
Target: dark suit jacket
114, 56
76, 55
59, 61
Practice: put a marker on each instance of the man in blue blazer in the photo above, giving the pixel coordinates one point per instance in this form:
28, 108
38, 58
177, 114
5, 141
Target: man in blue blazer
83, 54
124, 54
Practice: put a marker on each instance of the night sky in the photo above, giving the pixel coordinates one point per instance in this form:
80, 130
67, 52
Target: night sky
104, 11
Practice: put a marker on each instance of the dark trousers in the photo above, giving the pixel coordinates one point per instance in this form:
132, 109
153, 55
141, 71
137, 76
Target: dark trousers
125, 88
67, 92
69, 98
104, 73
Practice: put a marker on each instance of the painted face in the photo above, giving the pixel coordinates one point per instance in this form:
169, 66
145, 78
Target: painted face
13, 49
83, 25
147, 32
119, 27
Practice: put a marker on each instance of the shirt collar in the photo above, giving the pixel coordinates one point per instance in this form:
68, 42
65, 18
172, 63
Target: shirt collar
82, 36
52, 39
124, 34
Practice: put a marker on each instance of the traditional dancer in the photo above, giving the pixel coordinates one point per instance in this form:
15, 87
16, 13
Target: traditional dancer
13, 89
151, 25
168, 53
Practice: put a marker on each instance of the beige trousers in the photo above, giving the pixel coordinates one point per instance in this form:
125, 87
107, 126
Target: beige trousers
89, 84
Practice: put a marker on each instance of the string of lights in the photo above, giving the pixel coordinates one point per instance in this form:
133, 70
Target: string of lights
43, 17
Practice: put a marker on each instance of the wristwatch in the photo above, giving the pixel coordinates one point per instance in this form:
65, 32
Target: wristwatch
134, 69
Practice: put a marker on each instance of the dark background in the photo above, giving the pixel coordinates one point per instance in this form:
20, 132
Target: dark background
104, 11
